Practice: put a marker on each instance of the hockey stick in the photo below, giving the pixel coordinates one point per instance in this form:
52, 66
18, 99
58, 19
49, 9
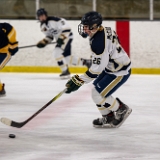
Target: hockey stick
9, 122
34, 45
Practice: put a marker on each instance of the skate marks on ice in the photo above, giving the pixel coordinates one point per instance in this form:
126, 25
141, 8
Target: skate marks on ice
64, 130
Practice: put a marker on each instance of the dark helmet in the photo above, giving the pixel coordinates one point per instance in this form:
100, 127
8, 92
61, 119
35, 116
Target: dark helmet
41, 11
90, 19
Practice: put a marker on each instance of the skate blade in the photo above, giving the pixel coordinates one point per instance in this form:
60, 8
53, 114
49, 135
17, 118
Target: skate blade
66, 77
124, 118
103, 126
113, 126
3, 95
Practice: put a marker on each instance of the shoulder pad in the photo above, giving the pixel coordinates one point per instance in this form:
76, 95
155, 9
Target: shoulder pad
97, 42
53, 18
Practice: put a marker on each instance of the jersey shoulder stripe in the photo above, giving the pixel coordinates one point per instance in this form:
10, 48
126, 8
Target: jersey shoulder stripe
53, 19
123, 68
66, 30
97, 42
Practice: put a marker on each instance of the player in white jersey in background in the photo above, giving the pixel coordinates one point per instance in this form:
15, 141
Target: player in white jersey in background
111, 67
58, 29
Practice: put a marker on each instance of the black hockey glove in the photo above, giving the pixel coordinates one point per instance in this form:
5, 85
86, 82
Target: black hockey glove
60, 40
13, 50
74, 83
42, 43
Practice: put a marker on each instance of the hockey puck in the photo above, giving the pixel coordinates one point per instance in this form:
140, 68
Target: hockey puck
12, 136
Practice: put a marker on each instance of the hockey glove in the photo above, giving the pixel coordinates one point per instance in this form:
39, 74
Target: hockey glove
74, 83
60, 40
42, 43
13, 49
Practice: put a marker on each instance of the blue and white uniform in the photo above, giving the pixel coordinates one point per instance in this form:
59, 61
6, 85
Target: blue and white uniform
53, 28
111, 67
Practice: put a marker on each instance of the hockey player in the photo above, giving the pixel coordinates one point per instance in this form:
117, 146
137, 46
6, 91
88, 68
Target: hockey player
58, 29
111, 67
8, 47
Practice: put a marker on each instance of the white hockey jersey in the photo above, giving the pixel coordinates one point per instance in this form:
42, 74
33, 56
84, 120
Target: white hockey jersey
54, 27
108, 55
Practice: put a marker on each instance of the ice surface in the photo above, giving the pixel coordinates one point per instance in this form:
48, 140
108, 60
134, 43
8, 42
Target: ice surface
63, 131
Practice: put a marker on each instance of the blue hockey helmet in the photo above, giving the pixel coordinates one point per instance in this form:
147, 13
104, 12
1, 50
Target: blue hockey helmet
41, 11
92, 19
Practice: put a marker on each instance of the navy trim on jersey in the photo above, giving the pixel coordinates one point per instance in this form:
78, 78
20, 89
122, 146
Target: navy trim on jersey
67, 30
123, 68
51, 18
60, 63
114, 63
91, 75
67, 49
71, 34
97, 42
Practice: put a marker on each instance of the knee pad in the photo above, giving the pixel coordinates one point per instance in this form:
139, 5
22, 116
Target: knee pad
68, 59
75, 60
104, 104
97, 98
58, 53
100, 101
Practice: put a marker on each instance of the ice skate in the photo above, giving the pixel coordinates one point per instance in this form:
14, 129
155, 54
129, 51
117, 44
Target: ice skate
121, 114
114, 119
2, 92
87, 62
104, 122
65, 74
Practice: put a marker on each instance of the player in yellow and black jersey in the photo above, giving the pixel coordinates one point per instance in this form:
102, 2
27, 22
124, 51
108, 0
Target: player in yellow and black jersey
8, 47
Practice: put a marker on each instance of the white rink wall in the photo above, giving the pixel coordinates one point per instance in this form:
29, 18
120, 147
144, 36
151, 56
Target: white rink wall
144, 44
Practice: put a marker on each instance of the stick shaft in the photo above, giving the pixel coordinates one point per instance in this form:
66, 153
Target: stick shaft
33, 45
12, 123
45, 106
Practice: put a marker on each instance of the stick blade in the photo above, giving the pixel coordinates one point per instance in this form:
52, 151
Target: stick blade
9, 122
6, 121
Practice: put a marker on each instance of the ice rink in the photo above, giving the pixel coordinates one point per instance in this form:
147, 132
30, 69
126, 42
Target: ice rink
64, 131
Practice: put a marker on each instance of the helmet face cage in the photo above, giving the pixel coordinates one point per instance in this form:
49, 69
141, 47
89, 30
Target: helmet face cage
92, 20
81, 31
